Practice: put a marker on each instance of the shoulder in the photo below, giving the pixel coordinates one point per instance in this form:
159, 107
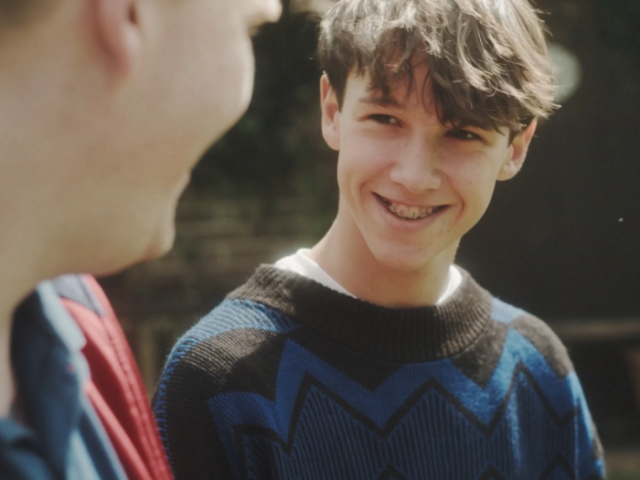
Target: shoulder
115, 389
83, 290
237, 333
233, 321
535, 332
236, 347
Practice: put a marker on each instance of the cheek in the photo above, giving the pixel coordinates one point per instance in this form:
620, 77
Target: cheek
364, 157
239, 66
228, 83
204, 72
474, 183
216, 63
359, 171
482, 192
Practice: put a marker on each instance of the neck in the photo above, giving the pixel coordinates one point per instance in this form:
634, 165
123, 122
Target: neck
26, 258
7, 384
345, 256
33, 228
405, 335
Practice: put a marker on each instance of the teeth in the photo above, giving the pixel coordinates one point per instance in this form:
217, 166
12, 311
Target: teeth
406, 211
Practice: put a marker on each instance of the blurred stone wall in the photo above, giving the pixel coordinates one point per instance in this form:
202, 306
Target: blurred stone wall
219, 243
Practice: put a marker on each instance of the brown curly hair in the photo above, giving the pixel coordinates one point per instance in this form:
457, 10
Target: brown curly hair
487, 59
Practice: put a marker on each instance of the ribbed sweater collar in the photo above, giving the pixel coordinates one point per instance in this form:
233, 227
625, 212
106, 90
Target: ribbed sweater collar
406, 335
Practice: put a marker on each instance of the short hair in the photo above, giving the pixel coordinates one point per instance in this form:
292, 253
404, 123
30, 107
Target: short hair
488, 60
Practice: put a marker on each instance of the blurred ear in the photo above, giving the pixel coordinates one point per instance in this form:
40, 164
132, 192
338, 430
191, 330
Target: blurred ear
517, 152
330, 113
118, 31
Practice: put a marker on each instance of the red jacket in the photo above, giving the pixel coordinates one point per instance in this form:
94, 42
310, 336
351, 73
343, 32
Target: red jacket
116, 388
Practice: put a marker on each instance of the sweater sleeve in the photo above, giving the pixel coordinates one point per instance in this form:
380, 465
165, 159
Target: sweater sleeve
589, 452
187, 427
221, 374
588, 461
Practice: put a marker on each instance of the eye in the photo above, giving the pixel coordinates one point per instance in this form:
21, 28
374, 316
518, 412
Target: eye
384, 119
463, 134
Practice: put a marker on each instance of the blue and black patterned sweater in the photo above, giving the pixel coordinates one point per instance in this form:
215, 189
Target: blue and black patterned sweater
287, 379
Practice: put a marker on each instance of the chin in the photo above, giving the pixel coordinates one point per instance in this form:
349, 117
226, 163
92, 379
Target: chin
160, 246
161, 234
132, 254
401, 261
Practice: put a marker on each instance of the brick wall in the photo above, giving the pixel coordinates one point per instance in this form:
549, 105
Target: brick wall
219, 243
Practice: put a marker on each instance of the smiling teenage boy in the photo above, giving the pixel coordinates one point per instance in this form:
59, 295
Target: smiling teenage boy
371, 355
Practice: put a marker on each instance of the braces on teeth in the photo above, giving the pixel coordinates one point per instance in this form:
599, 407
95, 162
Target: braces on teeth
413, 212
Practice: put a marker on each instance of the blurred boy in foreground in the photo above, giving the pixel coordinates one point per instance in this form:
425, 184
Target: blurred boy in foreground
371, 355
105, 106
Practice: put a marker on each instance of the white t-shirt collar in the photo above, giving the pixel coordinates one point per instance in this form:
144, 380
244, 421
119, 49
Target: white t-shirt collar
302, 264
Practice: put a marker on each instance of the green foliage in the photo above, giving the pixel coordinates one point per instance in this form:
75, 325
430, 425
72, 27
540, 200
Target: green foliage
254, 158
276, 148
625, 476
618, 22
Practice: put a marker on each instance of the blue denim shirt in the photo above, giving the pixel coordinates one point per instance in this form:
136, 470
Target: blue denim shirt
63, 439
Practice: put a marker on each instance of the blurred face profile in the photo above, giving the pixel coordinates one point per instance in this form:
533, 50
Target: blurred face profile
124, 97
208, 44
193, 83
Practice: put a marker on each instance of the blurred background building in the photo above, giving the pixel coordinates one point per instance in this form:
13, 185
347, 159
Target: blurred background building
561, 240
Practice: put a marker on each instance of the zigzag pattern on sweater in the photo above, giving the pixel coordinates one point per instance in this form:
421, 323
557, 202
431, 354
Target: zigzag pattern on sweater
430, 441
318, 408
284, 399
227, 315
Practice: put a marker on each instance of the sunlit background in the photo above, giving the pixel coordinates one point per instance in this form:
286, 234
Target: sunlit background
562, 240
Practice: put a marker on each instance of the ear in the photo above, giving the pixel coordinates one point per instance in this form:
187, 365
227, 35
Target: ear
330, 113
118, 31
517, 152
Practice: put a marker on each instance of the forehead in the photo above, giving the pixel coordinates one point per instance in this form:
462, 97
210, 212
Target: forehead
405, 92
413, 95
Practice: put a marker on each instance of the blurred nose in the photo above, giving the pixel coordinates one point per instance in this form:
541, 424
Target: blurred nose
416, 168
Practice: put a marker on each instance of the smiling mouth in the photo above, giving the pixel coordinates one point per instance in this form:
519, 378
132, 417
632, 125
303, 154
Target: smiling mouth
409, 212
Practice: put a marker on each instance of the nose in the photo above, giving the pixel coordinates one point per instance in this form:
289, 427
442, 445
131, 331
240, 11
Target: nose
272, 9
416, 168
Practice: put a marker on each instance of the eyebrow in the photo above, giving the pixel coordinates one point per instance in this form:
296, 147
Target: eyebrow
381, 101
